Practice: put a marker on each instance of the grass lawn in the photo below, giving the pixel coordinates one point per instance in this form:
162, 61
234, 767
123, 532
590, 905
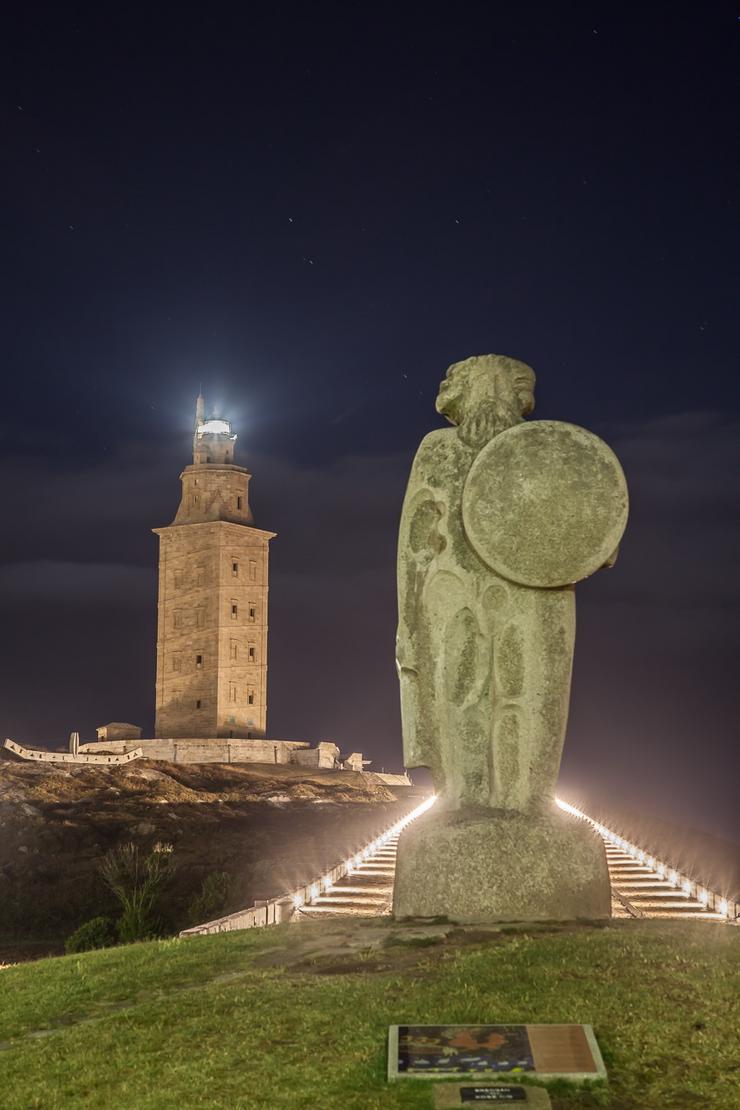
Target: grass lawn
297, 1016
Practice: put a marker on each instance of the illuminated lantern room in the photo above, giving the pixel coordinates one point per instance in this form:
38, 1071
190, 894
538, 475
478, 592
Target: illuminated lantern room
213, 486
213, 440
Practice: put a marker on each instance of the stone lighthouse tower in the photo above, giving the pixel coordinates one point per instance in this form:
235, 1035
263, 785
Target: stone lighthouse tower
212, 609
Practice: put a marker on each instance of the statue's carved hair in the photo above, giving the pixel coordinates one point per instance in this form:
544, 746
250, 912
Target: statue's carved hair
495, 394
479, 426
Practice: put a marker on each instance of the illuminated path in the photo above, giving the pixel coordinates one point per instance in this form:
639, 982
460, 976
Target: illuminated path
641, 885
366, 889
362, 886
639, 891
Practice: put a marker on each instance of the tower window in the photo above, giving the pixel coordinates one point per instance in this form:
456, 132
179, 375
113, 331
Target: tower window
232, 691
252, 569
252, 653
177, 618
238, 502
197, 704
250, 695
176, 662
200, 575
249, 736
199, 661
233, 649
252, 612
200, 618
234, 610
234, 570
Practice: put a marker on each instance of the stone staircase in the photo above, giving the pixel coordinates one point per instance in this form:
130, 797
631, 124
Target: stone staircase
639, 891
366, 890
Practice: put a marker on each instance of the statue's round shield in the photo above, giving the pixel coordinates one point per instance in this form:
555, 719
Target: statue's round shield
545, 503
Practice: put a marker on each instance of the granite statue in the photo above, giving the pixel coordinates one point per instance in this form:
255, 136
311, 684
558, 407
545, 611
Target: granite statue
502, 516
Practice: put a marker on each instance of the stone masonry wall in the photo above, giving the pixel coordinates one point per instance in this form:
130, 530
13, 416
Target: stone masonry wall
94, 755
212, 631
192, 750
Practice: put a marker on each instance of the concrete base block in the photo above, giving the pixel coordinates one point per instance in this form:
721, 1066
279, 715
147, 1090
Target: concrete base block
477, 866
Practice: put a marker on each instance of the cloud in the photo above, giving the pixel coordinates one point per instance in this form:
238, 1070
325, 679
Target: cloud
81, 583
682, 542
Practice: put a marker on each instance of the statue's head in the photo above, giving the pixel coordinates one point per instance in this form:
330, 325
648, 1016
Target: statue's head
486, 394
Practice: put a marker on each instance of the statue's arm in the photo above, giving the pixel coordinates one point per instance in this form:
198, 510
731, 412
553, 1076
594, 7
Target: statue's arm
419, 543
408, 592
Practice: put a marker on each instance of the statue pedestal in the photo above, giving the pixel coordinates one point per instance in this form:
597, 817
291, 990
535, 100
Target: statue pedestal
476, 866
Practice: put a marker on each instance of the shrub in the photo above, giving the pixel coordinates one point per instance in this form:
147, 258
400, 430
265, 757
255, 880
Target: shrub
212, 898
137, 880
98, 932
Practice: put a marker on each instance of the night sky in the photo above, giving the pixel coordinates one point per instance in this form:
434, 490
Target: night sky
314, 212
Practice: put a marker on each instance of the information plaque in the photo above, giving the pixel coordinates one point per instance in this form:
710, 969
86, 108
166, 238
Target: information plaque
542, 1051
448, 1095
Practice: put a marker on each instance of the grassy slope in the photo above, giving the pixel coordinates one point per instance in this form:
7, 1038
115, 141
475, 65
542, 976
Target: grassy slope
297, 1016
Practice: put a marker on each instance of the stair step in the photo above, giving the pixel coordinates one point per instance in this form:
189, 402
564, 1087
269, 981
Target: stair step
369, 879
371, 891
658, 884
344, 911
350, 900
631, 869
639, 894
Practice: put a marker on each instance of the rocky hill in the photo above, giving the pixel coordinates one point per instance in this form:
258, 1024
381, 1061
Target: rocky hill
268, 830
